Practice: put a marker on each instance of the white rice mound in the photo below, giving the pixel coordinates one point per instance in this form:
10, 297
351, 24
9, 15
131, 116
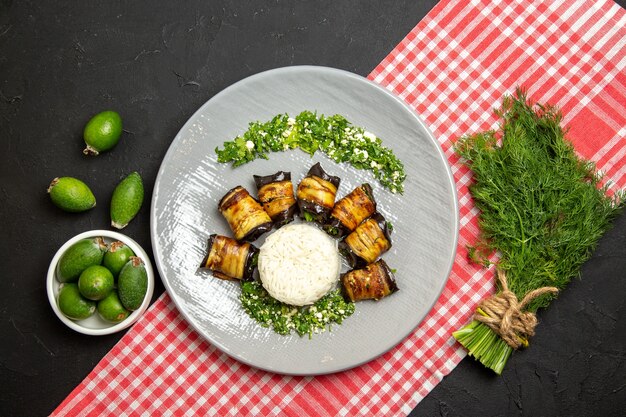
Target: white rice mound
299, 264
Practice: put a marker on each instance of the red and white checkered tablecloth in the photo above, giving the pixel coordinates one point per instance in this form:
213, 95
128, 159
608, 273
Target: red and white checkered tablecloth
453, 68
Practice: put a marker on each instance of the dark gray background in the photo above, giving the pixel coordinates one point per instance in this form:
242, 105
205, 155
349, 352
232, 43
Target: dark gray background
61, 62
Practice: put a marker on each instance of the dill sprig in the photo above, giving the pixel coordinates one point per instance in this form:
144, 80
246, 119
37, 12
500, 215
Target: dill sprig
542, 208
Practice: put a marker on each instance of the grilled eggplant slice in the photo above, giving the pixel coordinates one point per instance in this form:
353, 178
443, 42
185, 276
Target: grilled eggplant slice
367, 242
244, 214
229, 259
316, 194
350, 211
375, 281
275, 193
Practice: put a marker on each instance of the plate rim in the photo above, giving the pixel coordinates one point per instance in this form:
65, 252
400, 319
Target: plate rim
271, 72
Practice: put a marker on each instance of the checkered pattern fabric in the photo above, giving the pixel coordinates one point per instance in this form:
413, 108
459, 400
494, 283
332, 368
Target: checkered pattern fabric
453, 68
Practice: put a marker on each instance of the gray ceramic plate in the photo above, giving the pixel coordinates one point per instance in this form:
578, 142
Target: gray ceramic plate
190, 183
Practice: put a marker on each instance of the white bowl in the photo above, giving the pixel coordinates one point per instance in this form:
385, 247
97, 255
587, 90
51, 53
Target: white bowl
95, 325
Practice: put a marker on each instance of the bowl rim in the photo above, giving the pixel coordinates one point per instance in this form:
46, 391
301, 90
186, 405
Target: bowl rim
53, 292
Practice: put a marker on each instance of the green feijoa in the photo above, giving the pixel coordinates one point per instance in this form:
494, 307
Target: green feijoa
126, 200
95, 282
72, 304
102, 132
80, 256
132, 283
71, 194
116, 257
111, 309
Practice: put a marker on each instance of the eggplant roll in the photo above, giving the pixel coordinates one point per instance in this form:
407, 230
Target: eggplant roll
229, 259
368, 241
275, 193
244, 214
351, 210
316, 194
375, 281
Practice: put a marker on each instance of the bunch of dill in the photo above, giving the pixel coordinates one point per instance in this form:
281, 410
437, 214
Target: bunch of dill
542, 208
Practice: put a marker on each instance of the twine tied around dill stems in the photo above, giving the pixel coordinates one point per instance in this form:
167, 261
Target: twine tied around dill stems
504, 313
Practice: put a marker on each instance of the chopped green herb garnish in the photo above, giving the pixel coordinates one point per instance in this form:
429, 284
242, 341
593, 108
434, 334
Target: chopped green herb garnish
332, 230
335, 136
308, 216
255, 259
283, 318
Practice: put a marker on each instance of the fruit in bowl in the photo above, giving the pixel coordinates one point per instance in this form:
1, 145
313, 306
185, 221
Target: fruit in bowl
100, 282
